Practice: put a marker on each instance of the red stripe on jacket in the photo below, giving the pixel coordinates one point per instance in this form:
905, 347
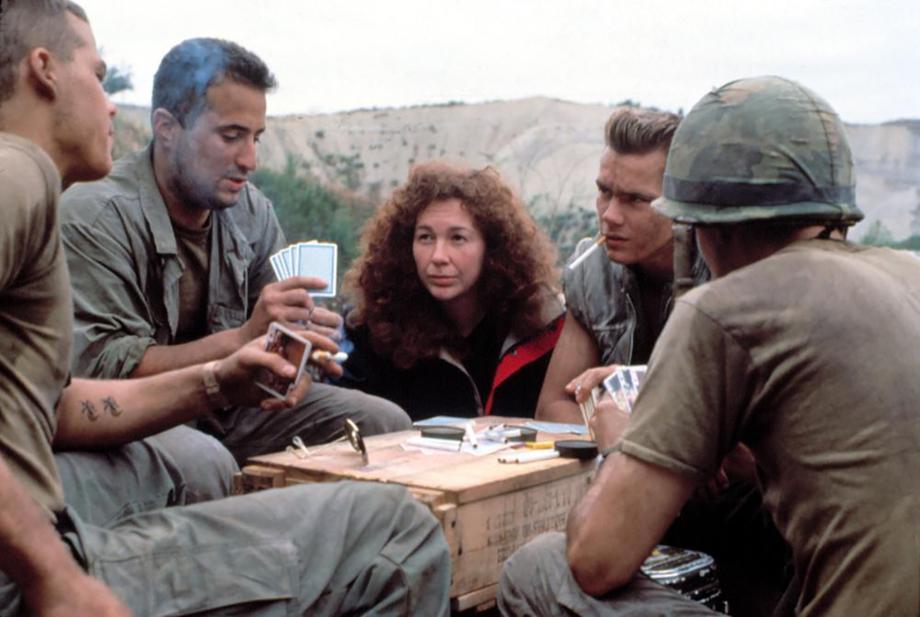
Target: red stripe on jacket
523, 355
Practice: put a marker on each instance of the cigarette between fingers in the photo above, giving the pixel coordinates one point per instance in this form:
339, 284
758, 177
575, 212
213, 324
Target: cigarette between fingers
321, 355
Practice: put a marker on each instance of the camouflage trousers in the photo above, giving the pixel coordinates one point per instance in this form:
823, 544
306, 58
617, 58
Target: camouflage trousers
328, 549
178, 467
319, 418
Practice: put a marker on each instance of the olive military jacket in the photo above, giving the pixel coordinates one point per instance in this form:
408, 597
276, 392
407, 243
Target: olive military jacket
125, 268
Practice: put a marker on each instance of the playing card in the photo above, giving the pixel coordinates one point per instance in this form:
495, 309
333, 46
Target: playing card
277, 263
318, 259
294, 348
637, 373
289, 261
615, 386
589, 407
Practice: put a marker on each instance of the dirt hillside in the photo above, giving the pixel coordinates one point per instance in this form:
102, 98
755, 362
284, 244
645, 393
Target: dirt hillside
548, 149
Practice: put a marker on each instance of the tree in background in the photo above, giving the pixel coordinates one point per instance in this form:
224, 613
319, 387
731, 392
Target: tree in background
566, 227
877, 235
128, 136
117, 80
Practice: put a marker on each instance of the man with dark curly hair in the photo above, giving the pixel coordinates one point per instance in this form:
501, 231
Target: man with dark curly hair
455, 309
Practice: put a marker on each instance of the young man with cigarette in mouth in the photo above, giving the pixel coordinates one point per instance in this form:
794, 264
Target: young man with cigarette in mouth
618, 296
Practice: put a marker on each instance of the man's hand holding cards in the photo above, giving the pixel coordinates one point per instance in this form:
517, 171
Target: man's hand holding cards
302, 350
290, 299
314, 259
293, 348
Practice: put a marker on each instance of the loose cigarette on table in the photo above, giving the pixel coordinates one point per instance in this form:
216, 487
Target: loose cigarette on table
600, 240
436, 444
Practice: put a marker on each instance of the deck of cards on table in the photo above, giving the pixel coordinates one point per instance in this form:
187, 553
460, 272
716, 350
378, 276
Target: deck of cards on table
313, 258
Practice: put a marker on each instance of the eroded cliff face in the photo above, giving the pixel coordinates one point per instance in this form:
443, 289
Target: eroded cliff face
888, 174
548, 149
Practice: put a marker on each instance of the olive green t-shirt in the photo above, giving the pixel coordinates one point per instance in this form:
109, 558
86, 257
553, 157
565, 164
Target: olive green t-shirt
194, 250
812, 358
36, 320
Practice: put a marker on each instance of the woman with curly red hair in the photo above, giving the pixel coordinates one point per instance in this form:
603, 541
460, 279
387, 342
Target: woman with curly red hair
455, 304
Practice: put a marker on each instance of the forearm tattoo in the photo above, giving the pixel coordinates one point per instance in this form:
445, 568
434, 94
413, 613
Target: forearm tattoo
89, 410
109, 406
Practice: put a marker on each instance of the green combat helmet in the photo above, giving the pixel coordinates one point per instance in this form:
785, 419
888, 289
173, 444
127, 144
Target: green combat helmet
760, 149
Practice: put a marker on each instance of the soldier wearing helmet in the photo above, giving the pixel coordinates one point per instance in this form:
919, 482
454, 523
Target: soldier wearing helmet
803, 348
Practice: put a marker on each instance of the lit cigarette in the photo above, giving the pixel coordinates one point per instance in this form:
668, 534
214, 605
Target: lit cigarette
600, 240
321, 355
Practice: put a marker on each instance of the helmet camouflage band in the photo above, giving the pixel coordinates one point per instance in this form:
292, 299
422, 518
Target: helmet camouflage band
760, 149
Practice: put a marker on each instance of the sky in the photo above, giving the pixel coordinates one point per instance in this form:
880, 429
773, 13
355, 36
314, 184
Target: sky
862, 56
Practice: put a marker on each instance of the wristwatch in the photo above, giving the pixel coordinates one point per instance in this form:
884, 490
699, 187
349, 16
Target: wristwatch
211, 385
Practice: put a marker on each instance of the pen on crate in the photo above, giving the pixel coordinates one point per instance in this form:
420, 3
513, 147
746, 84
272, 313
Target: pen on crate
597, 242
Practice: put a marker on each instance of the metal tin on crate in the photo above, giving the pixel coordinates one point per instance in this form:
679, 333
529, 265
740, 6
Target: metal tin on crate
576, 448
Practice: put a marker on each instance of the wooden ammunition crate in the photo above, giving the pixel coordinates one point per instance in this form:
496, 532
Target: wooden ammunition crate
487, 509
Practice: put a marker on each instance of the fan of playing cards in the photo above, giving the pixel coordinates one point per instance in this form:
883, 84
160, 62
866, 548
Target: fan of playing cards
623, 385
313, 258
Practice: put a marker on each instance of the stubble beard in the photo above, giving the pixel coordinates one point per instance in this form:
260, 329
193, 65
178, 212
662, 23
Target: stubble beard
192, 193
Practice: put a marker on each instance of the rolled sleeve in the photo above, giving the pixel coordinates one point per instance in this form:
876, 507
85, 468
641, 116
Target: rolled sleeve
691, 409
